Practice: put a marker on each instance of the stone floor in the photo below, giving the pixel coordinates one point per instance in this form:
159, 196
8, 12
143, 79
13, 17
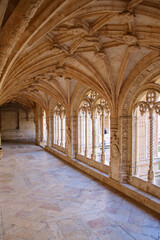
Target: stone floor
43, 198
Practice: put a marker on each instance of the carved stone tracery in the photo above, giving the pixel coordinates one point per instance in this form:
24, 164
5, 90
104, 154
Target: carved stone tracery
150, 105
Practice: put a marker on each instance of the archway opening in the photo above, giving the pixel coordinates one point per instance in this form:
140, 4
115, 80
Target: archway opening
146, 137
94, 130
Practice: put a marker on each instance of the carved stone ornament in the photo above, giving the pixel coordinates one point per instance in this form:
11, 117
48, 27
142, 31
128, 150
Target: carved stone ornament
31, 9
151, 97
138, 82
133, 48
114, 139
100, 54
56, 50
68, 135
77, 31
126, 16
130, 39
143, 108
114, 151
157, 108
149, 104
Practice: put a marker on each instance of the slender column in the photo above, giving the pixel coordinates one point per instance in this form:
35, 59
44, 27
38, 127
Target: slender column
61, 130
52, 129
68, 136
37, 129
1, 150
17, 119
86, 134
57, 130
151, 172
80, 134
0, 129
103, 155
93, 156
136, 145
48, 130
41, 127
83, 133
0, 140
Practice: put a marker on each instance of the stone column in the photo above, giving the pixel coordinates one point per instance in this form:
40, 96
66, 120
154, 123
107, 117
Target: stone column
57, 130
0, 140
103, 154
93, 156
86, 134
41, 127
68, 136
1, 150
0, 128
73, 143
125, 158
48, 129
61, 130
151, 172
114, 150
17, 119
80, 134
135, 146
52, 129
36, 128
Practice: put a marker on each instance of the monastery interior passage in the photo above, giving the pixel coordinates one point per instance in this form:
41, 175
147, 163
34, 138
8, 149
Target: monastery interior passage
81, 79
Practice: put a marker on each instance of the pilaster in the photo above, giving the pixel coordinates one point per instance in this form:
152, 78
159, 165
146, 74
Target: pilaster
115, 150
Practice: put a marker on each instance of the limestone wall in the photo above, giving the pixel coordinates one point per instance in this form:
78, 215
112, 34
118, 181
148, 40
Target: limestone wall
16, 124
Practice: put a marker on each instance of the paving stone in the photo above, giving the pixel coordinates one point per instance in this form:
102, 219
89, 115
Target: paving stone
42, 198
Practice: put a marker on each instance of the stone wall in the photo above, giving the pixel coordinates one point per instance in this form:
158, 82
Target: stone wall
16, 124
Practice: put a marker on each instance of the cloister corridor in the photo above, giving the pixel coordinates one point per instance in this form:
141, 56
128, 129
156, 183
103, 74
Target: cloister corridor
44, 198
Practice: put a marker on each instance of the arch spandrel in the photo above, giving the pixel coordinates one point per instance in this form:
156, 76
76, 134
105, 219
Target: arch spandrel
137, 85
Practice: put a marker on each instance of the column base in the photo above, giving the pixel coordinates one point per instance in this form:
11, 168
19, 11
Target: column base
36, 142
93, 157
150, 176
69, 151
86, 153
102, 158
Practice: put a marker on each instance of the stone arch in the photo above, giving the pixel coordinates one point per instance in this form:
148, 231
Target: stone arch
75, 101
147, 75
142, 81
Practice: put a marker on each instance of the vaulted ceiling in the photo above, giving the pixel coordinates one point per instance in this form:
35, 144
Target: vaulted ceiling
46, 45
